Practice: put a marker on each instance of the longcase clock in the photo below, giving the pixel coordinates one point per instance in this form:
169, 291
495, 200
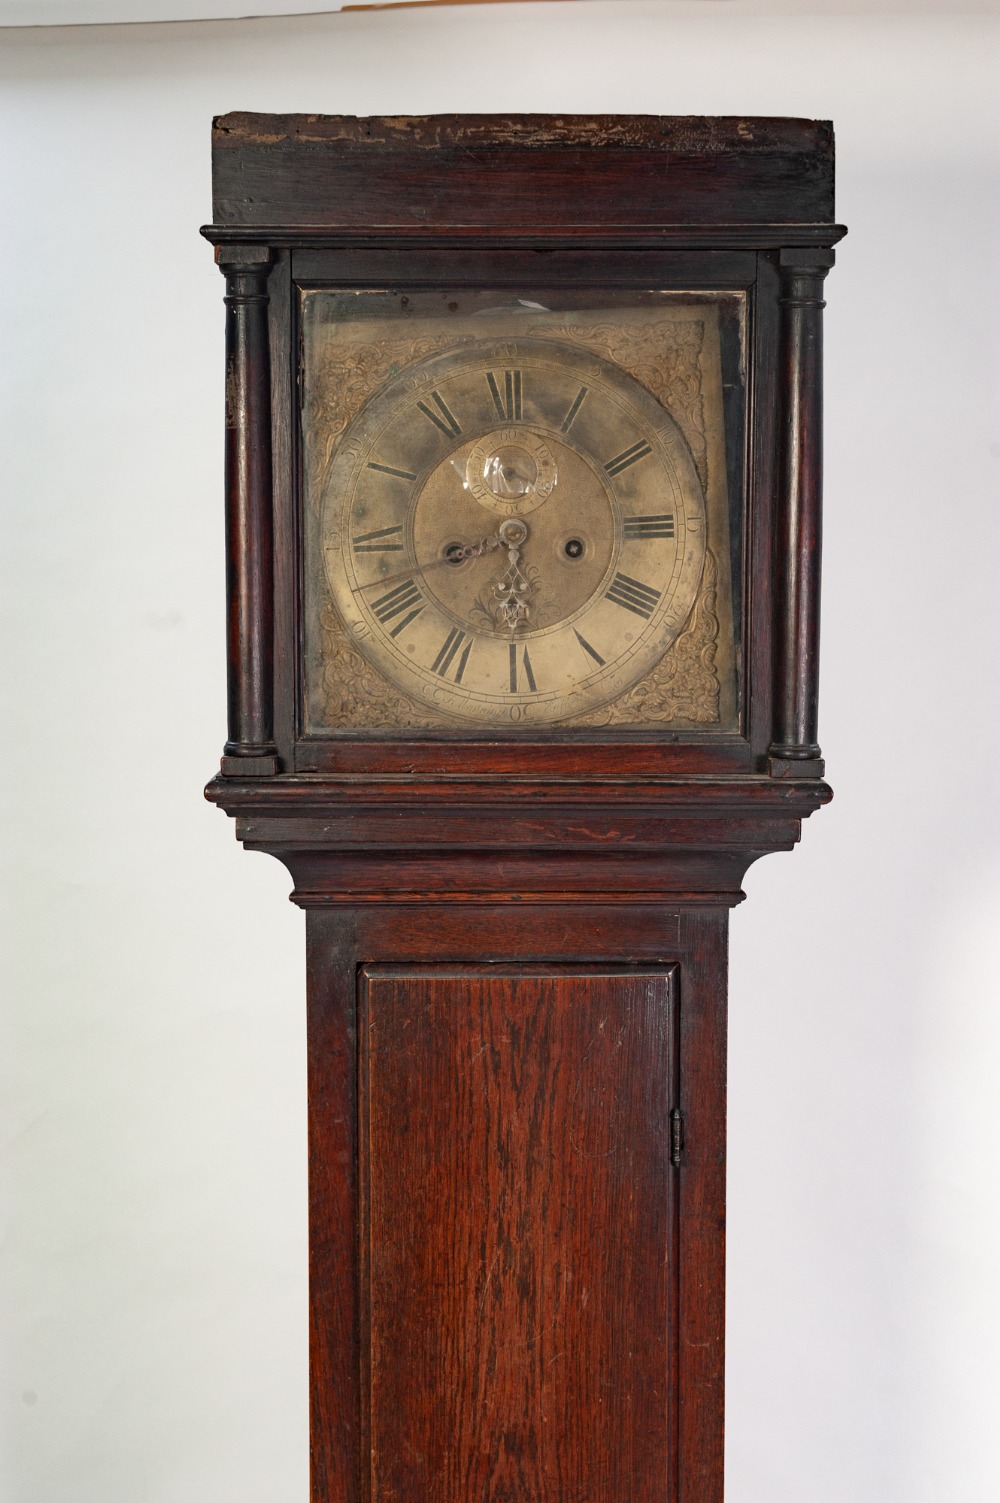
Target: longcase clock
523, 501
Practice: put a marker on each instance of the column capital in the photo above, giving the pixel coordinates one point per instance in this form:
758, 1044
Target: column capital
256, 259
807, 259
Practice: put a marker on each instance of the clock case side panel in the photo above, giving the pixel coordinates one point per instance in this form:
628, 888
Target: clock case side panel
560, 750
341, 941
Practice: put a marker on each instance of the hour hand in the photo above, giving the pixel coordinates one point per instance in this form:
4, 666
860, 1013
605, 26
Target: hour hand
455, 553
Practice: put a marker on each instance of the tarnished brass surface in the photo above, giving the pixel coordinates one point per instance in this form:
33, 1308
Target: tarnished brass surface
612, 609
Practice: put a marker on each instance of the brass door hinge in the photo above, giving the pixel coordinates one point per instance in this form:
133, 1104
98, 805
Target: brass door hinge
676, 1136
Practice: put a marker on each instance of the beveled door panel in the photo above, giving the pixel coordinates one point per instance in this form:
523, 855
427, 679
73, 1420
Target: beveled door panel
518, 1267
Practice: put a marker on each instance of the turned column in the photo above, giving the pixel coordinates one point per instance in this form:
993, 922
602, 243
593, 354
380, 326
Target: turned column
794, 751
249, 751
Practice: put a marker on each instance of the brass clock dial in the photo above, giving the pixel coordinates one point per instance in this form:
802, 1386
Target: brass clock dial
514, 533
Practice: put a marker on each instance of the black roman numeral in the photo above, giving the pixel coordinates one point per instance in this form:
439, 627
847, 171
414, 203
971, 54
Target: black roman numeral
452, 642
508, 401
590, 651
405, 597
444, 419
661, 526
383, 540
570, 417
628, 456
633, 595
388, 469
529, 676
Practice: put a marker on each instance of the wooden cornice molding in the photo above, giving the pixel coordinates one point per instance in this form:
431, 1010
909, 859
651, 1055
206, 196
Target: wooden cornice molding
649, 841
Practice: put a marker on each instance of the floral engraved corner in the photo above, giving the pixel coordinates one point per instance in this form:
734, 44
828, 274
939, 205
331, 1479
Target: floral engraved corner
684, 685
342, 380
355, 694
666, 357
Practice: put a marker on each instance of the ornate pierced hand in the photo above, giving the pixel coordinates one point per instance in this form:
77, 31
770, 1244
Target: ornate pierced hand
455, 553
513, 587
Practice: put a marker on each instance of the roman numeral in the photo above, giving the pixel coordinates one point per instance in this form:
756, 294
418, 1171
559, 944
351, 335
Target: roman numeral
507, 402
383, 540
405, 597
444, 418
570, 417
388, 469
628, 456
633, 595
590, 651
529, 676
452, 642
661, 526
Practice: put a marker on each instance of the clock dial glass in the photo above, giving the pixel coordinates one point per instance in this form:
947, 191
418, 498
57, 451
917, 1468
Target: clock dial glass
506, 528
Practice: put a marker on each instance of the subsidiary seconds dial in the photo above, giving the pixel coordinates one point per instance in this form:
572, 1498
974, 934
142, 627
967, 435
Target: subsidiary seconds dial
514, 532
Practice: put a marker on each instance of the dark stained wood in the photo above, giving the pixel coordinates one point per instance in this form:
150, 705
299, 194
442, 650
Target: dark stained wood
759, 579
777, 555
473, 812
542, 240
556, 269
640, 171
798, 536
502, 754
703, 950
334, 1330
519, 1192
686, 947
250, 749
284, 509
517, 951
417, 842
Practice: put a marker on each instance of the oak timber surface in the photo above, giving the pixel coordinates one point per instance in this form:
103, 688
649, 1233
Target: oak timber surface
465, 1100
521, 1283
312, 170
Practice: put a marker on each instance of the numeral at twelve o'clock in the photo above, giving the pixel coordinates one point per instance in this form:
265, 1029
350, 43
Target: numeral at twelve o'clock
505, 389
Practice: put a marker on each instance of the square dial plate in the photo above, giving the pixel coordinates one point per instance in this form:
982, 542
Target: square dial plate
520, 517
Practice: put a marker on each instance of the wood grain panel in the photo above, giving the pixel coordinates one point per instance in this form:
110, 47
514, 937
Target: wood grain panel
334, 1339
413, 173
518, 1272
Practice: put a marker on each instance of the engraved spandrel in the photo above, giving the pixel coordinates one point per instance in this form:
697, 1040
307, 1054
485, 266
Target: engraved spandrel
665, 356
642, 526
557, 582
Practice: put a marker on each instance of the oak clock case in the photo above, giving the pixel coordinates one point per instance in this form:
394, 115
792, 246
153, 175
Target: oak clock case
518, 517
523, 530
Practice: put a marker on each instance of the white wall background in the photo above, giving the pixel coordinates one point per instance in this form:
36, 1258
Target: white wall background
154, 1300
